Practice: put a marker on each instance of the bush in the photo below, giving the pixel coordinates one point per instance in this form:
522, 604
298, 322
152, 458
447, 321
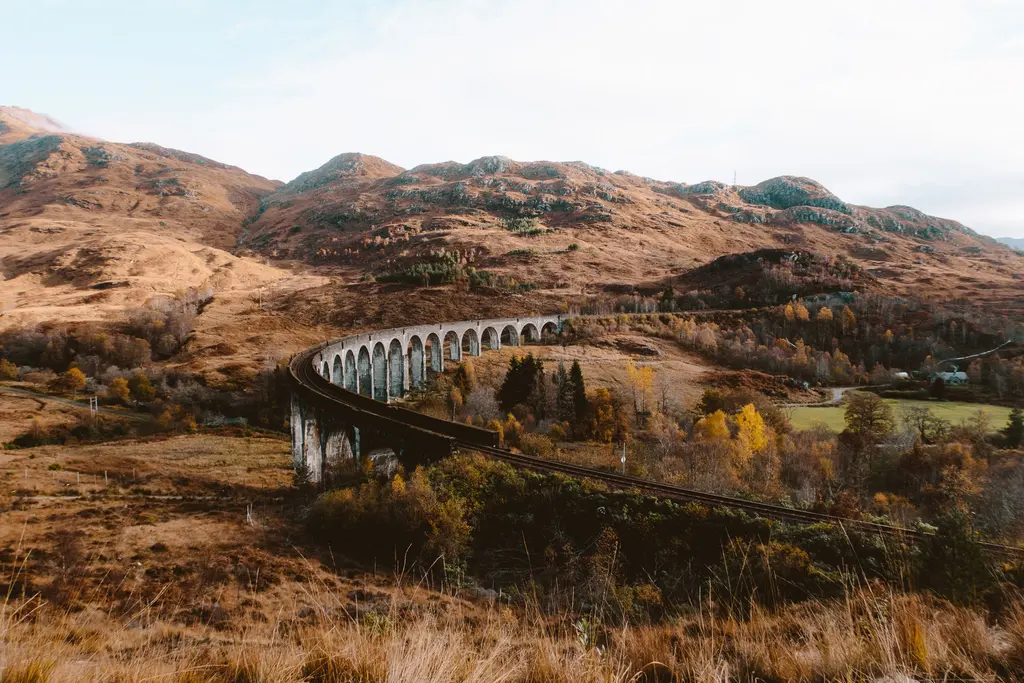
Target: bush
537, 445
496, 522
8, 370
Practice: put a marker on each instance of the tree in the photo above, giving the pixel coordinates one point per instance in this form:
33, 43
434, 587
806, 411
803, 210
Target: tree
523, 385
928, 427
641, 381
847, 321
713, 427
8, 370
465, 378
579, 392
455, 400
608, 421
1013, 432
868, 419
118, 390
140, 388
71, 381
751, 432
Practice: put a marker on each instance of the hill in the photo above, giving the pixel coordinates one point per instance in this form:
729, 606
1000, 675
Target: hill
1012, 242
91, 228
571, 228
81, 215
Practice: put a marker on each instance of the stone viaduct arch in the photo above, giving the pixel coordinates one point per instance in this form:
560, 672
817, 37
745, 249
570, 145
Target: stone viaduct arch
386, 365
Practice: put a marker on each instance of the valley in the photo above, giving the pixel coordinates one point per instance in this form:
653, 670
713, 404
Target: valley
187, 531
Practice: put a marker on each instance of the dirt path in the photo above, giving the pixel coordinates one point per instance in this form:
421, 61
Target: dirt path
837, 398
25, 393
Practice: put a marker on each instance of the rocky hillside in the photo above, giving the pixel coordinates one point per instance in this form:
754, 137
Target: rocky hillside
574, 228
80, 215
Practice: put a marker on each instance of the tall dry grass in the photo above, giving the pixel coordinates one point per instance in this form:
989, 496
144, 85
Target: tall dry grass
871, 634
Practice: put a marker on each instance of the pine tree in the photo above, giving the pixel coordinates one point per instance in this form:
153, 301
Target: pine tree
1014, 430
579, 392
564, 395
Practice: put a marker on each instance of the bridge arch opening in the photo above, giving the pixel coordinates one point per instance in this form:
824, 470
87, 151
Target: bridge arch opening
396, 369
325, 371
451, 340
470, 343
530, 334
435, 352
337, 372
417, 362
491, 339
509, 336
351, 381
365, 372
380, 372
548, 332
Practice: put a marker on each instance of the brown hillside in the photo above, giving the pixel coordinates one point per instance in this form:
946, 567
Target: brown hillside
91, 227
519, 219
78, 214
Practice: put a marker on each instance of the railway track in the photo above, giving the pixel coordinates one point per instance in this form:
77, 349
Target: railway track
459, 438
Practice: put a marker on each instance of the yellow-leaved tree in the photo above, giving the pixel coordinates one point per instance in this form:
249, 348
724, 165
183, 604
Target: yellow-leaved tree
751, 433
641, 381
713, 427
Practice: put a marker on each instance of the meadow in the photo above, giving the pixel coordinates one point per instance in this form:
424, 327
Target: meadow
952, 411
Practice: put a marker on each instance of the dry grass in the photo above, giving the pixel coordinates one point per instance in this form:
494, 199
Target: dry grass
161, 576
871, 635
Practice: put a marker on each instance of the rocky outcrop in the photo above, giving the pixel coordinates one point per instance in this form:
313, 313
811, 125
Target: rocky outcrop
786, 192
19, 159
340, 168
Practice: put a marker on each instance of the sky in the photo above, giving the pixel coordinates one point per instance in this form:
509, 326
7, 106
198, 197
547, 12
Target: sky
917, 102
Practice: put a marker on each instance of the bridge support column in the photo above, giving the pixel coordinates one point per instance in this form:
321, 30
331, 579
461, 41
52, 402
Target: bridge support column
318, 440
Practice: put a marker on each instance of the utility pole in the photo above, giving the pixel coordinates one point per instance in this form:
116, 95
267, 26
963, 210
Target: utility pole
94, 406
623, 458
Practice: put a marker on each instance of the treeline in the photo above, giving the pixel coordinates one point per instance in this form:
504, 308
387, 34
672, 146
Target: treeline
860, 342
623, 556
116, 363
532, 409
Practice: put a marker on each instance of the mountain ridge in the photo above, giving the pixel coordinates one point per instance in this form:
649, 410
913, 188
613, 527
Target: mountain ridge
78, 212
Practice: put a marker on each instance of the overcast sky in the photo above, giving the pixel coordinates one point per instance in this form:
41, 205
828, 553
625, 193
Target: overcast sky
916, 102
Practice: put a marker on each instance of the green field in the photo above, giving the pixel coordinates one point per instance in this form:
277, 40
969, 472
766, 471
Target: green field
954, 411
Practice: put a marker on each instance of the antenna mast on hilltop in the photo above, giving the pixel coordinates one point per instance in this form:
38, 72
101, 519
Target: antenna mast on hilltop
734, 179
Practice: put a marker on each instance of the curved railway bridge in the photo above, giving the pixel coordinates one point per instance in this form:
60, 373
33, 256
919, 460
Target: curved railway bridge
341, 407
340, 403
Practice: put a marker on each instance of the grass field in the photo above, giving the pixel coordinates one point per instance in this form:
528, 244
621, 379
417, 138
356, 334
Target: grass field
954, 411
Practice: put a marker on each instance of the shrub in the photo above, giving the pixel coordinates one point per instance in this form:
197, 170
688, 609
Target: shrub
573, 247
141, 389
8, 370
537, 445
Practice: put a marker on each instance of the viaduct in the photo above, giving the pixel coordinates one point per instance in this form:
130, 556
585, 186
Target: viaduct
367, 371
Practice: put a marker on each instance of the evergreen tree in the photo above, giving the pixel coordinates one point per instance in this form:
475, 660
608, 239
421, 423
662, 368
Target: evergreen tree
579, 392
523, 385
564, 396
539, 391
1014, 430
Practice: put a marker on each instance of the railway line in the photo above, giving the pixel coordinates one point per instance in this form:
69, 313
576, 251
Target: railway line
457, 437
